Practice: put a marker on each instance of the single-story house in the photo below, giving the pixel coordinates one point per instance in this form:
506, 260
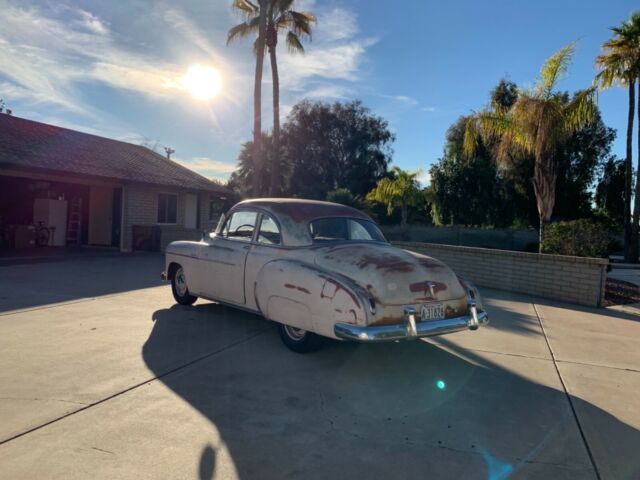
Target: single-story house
90, 190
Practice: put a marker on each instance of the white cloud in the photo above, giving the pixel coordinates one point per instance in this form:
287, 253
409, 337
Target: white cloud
46, 53
336, 52
93, 23
208, 167
329, 91
337, 62
337, 24
402, 99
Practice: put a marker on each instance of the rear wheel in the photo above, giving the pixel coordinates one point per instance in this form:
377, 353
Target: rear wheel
179, 288
299, 340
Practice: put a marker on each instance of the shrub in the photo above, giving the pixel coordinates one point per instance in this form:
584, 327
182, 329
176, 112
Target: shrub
581, 238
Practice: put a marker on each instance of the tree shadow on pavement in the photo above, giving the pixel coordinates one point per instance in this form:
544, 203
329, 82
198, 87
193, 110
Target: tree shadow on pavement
399, 410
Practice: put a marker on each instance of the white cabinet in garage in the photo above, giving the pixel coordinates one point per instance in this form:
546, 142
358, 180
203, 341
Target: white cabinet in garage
52, 213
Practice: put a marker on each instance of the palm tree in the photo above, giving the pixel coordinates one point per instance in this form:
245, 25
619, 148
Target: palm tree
538, 121
255, 21
620, 64
279, 17
401, 191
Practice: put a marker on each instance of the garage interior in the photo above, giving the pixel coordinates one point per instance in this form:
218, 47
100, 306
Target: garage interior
37, 213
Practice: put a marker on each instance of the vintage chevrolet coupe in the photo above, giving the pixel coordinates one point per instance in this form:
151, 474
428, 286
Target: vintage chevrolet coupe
321, 269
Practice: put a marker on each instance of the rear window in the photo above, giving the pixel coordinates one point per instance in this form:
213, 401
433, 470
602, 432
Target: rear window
344, 229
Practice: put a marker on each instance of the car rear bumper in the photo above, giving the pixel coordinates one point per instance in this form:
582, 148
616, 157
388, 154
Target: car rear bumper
410, 328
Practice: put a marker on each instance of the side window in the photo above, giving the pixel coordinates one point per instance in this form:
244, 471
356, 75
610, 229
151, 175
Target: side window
358, 232
269, 233
240, 226
324, 229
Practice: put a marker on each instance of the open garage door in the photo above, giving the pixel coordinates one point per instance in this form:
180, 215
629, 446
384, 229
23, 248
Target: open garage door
100, 215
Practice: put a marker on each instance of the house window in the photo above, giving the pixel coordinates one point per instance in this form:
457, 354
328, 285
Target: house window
216, 206
167, 208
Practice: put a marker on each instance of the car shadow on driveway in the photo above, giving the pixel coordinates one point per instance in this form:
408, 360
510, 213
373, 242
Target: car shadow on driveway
399, 410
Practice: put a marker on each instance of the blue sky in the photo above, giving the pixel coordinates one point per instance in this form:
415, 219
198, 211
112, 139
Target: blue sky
114, 68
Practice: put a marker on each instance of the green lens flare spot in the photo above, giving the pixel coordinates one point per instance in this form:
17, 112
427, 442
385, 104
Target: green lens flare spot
441, 385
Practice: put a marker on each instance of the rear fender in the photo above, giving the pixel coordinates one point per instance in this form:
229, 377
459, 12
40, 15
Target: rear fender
307, 297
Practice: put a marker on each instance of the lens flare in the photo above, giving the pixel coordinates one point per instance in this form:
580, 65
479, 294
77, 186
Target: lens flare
202, 82
441, 385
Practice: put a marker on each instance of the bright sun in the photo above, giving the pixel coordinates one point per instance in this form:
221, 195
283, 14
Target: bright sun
202, 82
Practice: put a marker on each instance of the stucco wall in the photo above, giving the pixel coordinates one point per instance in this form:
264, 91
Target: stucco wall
558, 277
141, 208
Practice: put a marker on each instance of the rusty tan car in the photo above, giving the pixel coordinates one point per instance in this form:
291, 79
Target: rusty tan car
319, 270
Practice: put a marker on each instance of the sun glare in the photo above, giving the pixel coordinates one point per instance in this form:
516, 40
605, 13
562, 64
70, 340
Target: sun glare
202, 82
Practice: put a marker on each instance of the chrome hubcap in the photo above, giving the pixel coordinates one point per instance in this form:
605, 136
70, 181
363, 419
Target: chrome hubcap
181, 282
294, 333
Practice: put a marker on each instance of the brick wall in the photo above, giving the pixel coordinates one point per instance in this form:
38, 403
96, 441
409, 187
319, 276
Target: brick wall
558, 277
141, 208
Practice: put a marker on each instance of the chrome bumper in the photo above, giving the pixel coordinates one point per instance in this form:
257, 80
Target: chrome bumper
410, 328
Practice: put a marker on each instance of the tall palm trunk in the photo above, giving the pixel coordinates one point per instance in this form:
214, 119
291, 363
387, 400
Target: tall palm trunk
545, 174
275, 161
258, 150
404, 215
628, 247
635, 245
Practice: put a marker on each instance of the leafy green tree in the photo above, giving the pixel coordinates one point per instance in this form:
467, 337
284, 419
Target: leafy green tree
619, 64
241, 180
580, 158
463, 189
331, 146
402, 191
539, 120
344, 196
477, 190
255, 22
608, 200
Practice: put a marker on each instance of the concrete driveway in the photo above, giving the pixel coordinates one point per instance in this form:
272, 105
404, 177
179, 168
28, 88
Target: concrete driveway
102, 376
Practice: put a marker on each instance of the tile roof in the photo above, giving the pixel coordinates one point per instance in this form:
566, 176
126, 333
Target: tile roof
30, 144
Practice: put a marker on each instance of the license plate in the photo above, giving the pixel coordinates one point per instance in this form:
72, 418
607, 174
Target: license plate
432, 311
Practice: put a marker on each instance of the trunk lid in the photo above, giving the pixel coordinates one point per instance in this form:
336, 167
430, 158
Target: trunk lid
393, 277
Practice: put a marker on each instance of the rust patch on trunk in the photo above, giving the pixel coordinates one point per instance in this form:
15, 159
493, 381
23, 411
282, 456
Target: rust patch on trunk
431, 263
296, 287
338, 287
423, 288
386, 262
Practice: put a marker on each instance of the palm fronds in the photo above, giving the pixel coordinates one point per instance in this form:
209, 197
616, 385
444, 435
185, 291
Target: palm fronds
555, 68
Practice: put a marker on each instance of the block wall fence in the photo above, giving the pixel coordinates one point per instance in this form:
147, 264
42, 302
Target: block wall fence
558, 277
